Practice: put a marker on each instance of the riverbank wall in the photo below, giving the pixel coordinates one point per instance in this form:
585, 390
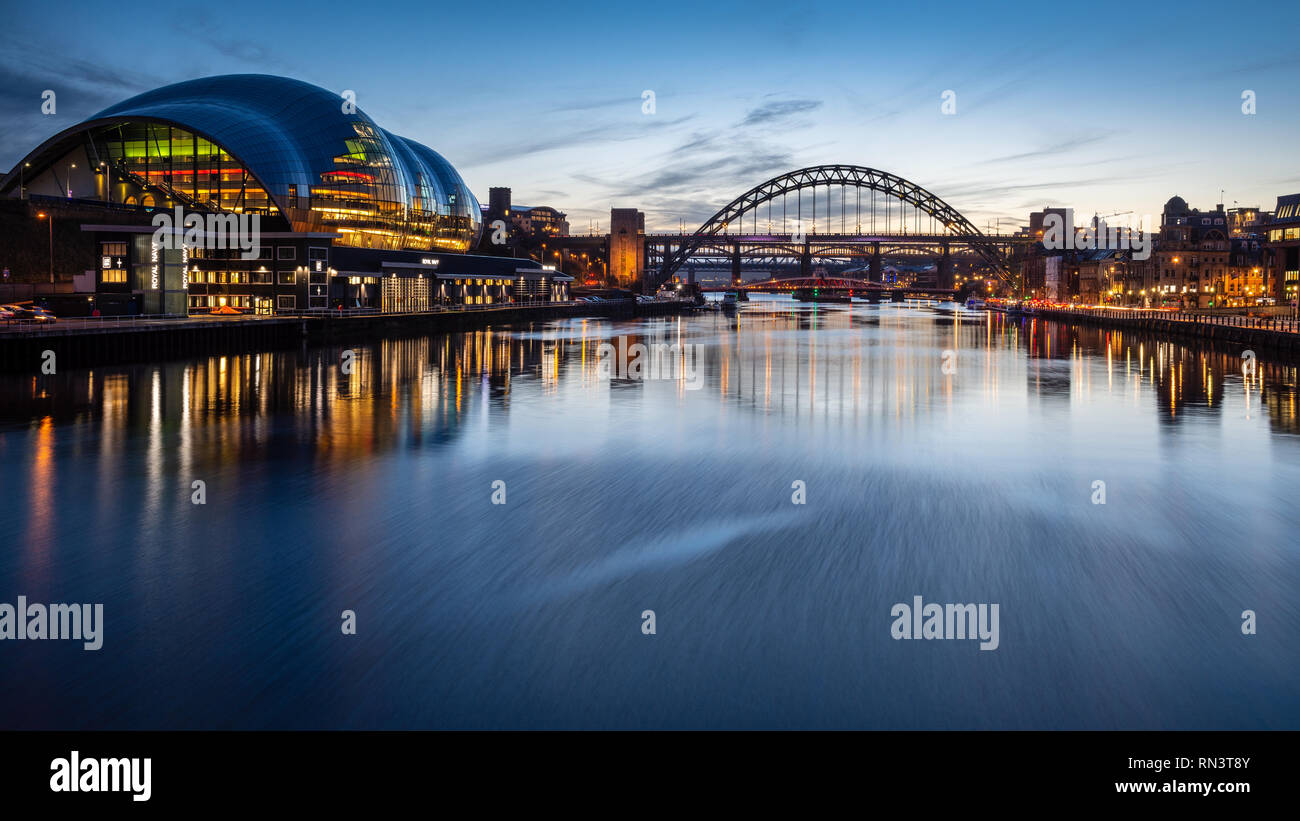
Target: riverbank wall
120, 340
1275, 334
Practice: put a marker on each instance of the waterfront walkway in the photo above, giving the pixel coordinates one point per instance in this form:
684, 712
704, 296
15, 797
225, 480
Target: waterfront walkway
1263, 323
1277, 333
106, 340
71, 326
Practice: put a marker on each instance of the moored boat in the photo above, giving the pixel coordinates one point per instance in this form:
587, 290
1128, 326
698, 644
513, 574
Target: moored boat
819, 295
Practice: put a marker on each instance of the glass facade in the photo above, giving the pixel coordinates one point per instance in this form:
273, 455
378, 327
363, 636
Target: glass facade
159, 165
279, 147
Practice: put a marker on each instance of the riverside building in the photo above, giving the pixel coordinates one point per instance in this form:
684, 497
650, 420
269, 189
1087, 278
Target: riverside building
348, 215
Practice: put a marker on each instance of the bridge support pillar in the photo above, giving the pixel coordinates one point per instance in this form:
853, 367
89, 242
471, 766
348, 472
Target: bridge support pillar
805, 261
735, 263
876, 271
660, 279
945, 269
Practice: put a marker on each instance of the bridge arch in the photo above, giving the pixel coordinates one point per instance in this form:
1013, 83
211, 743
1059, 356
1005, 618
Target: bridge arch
845, 176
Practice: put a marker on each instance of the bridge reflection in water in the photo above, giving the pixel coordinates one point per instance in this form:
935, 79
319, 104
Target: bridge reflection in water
369, 490
805, 361
896, 368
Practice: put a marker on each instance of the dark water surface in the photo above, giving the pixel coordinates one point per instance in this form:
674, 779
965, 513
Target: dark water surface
372, 492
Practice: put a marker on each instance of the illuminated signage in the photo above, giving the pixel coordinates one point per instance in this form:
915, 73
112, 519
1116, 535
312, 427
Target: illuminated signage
428, 261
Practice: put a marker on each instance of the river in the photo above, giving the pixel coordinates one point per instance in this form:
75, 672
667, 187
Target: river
771, 498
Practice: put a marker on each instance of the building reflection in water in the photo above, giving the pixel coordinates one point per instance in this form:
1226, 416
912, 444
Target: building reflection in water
815, 364
953, 447
863, 362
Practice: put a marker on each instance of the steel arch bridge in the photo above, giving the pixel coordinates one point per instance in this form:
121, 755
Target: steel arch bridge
780, 247
894, 187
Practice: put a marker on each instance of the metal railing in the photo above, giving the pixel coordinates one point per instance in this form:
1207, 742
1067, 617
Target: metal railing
1259, 323
33, 326
461, 308
431, 309
30, 324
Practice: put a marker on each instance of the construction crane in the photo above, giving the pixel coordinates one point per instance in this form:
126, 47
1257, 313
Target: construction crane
1104, 216
1096, 226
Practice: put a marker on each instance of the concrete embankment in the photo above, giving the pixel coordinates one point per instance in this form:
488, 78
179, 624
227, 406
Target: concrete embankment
1267, 333
81, 343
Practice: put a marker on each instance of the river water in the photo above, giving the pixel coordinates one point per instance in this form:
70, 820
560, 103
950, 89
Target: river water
939, 453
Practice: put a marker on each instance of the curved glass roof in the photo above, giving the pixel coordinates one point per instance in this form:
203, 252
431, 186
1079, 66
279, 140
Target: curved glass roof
323, 161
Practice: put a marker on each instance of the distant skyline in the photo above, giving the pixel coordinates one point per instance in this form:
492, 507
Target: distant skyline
1111, 107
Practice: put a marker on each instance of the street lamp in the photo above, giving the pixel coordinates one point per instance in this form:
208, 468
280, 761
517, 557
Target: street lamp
50, 220
22, 175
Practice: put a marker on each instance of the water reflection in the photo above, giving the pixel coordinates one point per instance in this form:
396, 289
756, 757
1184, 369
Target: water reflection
945, 452
854, 362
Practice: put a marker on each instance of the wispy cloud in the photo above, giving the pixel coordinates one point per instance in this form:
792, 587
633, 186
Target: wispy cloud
633, 101
81, 86
995, 188
1062, 147
769, 113
585, 134
1265, 66
203, 29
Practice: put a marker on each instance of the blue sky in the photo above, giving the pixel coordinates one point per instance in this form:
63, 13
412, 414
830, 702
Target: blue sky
1103, 107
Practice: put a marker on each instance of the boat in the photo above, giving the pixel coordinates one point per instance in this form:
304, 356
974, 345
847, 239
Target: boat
975, 304
730, 301
819, 295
